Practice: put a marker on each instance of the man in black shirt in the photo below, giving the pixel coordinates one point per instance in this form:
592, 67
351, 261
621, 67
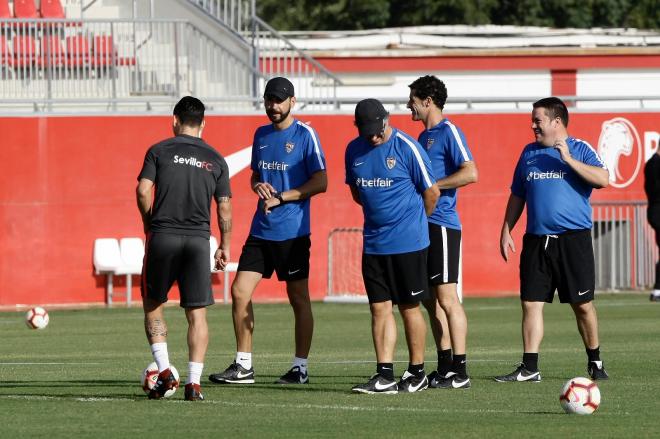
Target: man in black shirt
185, 174
652, 189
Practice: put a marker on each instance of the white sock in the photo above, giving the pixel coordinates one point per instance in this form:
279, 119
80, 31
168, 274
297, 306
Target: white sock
194, 372
301, 363
244, 359
162, 359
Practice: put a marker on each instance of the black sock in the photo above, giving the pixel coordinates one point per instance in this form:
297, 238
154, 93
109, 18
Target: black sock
417, 370
459, 366
386, 370
444, 361
593, 354
531, 361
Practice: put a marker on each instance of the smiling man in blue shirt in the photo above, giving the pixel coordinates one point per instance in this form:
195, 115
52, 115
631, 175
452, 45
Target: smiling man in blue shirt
554, 178
389, 175
288, 168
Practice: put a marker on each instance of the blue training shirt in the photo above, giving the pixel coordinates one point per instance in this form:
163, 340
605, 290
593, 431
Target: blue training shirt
286, 159
557, 198
390, 179
447, 148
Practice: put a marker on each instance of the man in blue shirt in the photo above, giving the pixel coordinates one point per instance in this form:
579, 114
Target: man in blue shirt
288, 168
390, 176
454, 167
554, 177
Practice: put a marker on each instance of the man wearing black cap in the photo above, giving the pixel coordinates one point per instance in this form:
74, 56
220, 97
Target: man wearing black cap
288, 168
390, 176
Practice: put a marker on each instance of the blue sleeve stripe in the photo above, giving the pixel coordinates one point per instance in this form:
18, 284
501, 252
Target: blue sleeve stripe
420, 162
317, 150
466, 158
602, 163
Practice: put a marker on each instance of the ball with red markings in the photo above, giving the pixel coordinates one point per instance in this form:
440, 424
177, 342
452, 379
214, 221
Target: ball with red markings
150, 376
37, 318
580, 396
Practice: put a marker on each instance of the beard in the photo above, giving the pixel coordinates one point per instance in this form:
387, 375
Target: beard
277, 117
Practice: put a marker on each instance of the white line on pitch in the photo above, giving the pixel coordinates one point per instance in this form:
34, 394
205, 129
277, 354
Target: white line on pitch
351, 408
47, 364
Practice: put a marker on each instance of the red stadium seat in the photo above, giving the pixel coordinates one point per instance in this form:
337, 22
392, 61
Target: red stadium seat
4, 9
52, 52
52, 9
25, 9
6, 58
77, 49
103, 51
25, 50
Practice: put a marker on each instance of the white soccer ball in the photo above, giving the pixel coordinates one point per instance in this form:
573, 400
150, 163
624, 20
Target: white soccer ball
37, 318
150, 376
580, 395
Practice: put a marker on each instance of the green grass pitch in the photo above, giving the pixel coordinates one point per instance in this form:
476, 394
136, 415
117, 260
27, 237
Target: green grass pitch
80, 377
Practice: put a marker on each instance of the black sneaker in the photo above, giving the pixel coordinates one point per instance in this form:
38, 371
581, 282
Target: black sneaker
520, 375
234, 374
654, 298
377, 384
294, 376
193, 392
166, 381
436, 375
450, 381
596, 370
410, 383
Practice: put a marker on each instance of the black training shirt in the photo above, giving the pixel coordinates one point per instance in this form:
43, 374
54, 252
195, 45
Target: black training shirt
187, 173
652, 180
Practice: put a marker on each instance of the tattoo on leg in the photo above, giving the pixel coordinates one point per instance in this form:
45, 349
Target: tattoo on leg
155, 328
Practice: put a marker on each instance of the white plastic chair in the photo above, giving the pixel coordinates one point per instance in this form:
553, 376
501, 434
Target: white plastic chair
132, 256
107, 260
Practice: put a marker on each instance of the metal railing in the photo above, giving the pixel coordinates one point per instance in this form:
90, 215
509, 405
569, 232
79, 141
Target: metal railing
624, 245
106, 62
274, 55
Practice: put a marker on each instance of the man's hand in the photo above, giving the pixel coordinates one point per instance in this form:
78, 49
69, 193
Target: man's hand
270, 203
506, 243
264, 190
221, 259
562, 147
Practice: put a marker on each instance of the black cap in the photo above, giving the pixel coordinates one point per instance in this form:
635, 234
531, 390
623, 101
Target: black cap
279, 87
370, 117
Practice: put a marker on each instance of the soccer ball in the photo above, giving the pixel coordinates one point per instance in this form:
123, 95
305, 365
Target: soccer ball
150, 376
580, 395
37, 318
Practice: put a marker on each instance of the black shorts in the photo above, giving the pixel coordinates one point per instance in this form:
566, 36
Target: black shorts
289, 259
444, 255
401, 278
562, 262
185, 259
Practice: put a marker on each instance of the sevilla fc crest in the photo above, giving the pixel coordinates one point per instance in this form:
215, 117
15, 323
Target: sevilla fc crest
289, 146
390, 162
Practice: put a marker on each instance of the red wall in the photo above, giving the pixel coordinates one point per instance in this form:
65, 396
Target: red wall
65, 181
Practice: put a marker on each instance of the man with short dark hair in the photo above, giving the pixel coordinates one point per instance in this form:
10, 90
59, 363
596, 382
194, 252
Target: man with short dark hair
185, 174
554, 178
453, 167
288, 168
389, 175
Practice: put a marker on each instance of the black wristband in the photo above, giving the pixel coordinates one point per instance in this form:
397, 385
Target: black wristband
279, 197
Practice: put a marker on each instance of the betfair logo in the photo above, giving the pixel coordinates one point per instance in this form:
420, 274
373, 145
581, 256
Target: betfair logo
549, 175
374, 182
272, 166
